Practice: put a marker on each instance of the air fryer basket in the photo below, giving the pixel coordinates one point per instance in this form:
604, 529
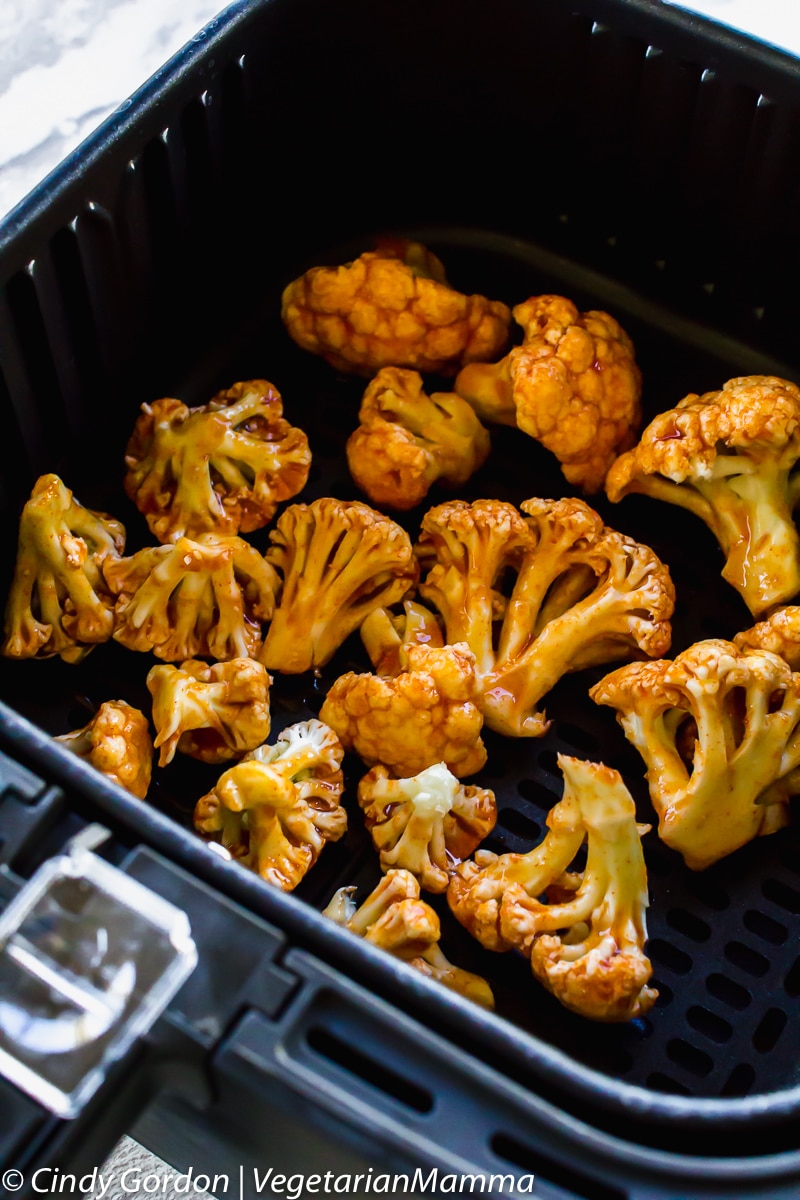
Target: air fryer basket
602, 150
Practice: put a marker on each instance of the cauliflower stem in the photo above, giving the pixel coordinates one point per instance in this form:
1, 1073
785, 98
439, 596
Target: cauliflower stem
742, 713
581, 595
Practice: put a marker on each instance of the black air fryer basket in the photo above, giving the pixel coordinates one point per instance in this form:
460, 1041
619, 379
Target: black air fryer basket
619, 152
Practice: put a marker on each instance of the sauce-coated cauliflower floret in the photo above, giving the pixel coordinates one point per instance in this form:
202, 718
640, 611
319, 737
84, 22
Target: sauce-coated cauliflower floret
426, 824
428, 713
587, 945
477, 886
718, 730
394, 918
581, 595
59, 602
729, 457
338, 561
203, 598
407, 440
276, 809
384, 633
117, 743
573, 385
211, 712
779, 633
392, 307
222, 467
586, 938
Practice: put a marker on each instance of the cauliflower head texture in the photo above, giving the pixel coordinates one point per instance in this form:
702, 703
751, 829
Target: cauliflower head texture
223, 467
337, 560
193, 598
395, 918
428, 713
584, 931
59, 602
392, 307
573, 385
580, 594
407, 440
276, 809
213, 712
718, 729
117, 743
729, 457
426, 824
779, 633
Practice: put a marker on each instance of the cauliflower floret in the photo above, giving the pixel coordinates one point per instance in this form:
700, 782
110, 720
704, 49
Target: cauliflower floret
779, 633
573, 385
195, 598
222, 467
59, 602
586, 942
117, 743
581, 594
718, 730
426, 824
394, 918
276, 809
392, 307
211, 712
426, 714
383, 633
407, 440
729, 457
477, 886
338, 561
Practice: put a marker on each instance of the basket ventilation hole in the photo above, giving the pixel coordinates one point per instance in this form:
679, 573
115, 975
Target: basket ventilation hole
669, 956
708, 893
516, 822
695, 1061
529, 789
688, 924
739, 1082
730, 993
378, 1075
770, 1028
746, 959
785, 897
581, 739
709, 1024
765, 928
550, 1171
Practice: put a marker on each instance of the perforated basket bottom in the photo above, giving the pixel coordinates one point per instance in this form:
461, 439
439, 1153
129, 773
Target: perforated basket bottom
723, 942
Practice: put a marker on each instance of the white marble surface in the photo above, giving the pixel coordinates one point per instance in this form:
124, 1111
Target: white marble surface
65, 65
774, 21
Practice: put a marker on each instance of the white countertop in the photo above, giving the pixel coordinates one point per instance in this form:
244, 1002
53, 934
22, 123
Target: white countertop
65, 65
